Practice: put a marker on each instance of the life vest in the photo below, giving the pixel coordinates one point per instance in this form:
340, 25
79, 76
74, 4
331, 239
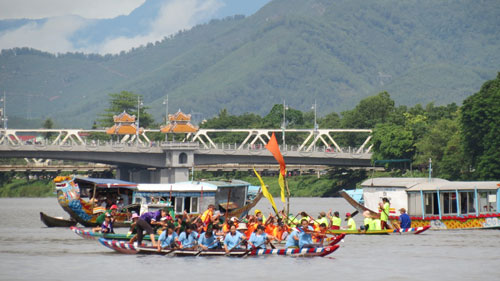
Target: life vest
351, 224
206, 218
336, 221
385, 212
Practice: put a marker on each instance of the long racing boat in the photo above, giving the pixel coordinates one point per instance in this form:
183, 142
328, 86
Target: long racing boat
127, 248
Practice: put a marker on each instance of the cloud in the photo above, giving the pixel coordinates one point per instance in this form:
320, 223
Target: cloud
174, 15
92, 9
51, 35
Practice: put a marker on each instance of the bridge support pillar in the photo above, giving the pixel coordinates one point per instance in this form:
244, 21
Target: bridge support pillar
123, 173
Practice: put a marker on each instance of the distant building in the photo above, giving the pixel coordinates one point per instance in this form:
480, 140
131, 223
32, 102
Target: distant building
124, 125
179, 123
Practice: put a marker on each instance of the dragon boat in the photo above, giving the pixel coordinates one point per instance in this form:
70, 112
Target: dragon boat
79, 196
413, 230
436, 203
90, 235
127, 248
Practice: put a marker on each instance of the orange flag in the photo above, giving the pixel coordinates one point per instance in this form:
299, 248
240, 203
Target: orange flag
274, 148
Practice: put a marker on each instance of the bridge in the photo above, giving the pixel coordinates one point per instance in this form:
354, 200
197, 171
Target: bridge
140, 159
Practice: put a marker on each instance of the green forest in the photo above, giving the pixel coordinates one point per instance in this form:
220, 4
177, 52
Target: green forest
335, 52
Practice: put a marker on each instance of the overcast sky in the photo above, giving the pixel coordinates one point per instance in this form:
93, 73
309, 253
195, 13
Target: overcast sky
65, 17
36, 9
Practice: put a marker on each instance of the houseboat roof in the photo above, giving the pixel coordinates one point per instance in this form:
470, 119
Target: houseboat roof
190, 186
417, 184
398, 182
456, 185
109, 183
177, 187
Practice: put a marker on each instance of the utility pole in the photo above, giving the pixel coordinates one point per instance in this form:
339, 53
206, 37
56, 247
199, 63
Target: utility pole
4, 112
284, 124
138, 119
165, 102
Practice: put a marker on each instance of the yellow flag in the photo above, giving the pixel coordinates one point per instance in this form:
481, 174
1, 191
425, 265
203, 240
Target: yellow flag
281, 182
265, 192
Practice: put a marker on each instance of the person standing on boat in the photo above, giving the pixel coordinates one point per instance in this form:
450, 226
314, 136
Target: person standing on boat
188, 237
404, 219
384, 207
141, 225
258, 239
336, 221
234, 238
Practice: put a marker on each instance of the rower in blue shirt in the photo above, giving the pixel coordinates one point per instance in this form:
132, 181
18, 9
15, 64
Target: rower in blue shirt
305, 237
292, 241
188, 238
167, 238
404, 219
208, 240
234, 238
258, 239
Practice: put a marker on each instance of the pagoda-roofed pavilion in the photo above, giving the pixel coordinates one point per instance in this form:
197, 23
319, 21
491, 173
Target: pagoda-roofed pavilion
124, 125
179, 123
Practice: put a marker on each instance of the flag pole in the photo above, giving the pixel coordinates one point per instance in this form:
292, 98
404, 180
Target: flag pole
287, 197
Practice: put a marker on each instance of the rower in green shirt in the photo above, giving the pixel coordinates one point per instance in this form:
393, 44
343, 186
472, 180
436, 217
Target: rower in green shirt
351, 224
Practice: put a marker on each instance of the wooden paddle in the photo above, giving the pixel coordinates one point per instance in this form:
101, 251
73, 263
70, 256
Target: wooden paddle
352, 214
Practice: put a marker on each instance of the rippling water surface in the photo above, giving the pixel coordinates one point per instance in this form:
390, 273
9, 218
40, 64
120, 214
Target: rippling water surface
31, 251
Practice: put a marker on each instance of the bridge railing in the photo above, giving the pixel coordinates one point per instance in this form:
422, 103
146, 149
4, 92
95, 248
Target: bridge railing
320, 140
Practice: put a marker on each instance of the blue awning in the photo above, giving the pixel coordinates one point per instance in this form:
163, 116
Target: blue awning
106, 183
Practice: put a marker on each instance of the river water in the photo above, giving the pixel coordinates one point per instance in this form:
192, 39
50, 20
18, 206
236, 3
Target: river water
31, 251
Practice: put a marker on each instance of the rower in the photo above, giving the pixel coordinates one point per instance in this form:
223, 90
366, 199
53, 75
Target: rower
367, 222
258, 239
404, 219
208, 240
234, 238
168, 238
351, 224
323, 219
107, 225
260, 216
336, 221
305, 237
292, 241
188, 237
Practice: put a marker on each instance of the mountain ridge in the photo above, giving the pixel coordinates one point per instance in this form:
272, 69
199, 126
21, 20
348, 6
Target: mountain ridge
334, 52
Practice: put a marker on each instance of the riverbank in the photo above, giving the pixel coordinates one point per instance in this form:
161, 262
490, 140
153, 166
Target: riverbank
27, 188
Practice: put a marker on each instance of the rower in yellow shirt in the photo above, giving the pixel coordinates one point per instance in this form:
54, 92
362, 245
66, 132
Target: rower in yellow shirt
351, 224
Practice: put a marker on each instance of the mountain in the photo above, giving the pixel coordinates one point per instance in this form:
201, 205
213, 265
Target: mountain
336, 52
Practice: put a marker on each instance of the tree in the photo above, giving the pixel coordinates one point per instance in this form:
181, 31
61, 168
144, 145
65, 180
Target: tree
480, 121
48, 124
125, 101
435, 144
392, 142
369, 112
